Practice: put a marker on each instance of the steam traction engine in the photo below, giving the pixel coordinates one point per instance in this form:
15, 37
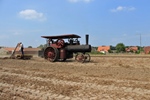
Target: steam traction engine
58, 49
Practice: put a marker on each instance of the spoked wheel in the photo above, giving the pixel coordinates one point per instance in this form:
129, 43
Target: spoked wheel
87, 57
80, 57
51, 54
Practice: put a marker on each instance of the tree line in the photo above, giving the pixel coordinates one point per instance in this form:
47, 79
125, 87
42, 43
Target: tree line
119, 48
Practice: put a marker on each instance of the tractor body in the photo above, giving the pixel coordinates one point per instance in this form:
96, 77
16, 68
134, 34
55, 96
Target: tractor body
63, 47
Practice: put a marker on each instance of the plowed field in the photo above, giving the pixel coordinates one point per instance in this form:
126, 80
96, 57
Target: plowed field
104, 78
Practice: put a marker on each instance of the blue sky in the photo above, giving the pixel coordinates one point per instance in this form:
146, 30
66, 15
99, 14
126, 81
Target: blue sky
108, 22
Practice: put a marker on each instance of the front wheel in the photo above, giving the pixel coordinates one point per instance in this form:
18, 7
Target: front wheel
87, 57
80, 57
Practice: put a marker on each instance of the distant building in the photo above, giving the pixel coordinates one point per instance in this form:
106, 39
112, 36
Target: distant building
147, 50
131, 49
103, 49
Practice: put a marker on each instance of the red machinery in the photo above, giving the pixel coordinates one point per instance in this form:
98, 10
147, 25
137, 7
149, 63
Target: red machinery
58, 49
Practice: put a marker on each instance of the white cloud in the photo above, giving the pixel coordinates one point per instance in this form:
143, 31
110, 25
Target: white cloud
31, 14
122, 8
75, 1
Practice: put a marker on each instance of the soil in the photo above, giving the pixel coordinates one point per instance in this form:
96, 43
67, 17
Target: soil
104, 78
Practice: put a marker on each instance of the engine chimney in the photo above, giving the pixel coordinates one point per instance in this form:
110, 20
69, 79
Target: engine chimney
87, 39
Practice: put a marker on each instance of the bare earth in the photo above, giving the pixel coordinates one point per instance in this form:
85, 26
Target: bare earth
104, 78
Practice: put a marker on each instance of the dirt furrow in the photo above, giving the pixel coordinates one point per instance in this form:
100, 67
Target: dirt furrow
51, 73
85, 87
27, 93
75, 79
103, 78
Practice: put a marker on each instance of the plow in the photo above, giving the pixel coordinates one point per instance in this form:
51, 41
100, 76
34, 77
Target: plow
18, 56
62, 47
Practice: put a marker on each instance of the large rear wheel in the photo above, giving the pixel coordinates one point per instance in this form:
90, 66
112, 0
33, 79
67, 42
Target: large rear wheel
51, 54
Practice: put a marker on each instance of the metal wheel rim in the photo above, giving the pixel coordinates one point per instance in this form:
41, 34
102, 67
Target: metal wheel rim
51, 54
80, 57
87, 57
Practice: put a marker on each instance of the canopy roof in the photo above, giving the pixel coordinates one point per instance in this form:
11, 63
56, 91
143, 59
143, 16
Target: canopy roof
62, 36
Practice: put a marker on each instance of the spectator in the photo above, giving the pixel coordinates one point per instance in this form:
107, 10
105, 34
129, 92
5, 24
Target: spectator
21, 49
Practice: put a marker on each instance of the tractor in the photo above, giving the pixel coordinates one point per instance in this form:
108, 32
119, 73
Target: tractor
62, 47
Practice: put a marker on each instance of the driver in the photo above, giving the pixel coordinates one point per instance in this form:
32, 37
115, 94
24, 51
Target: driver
60, 42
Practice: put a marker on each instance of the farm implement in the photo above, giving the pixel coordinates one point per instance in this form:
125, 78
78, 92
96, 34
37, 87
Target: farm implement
19, 56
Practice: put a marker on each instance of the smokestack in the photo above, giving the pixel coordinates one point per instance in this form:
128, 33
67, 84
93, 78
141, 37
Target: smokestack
87, 39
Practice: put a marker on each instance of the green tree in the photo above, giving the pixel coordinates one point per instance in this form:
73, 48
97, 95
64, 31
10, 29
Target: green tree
42, 46
120, 47
29, 46
112, 47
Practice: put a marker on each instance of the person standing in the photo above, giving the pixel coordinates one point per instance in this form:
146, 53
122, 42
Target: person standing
21, 49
